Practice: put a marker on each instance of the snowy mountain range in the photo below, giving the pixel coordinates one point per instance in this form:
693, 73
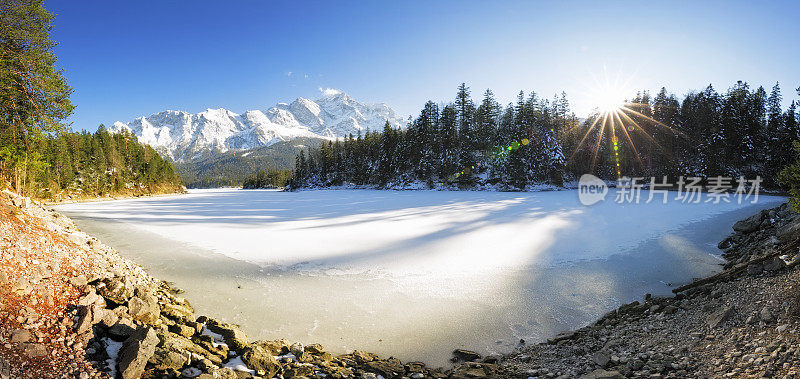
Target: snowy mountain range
183, 136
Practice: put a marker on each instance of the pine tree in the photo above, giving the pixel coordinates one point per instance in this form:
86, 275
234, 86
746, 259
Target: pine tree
776, 151
448, 155
34, 95
465, 111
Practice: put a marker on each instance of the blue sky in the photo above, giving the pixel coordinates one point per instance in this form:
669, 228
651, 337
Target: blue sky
127, 59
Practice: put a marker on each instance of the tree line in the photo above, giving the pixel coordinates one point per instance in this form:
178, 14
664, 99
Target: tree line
96, 164
741, 132
267, 179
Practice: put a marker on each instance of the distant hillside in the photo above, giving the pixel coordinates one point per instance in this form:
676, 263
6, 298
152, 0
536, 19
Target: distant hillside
232, 167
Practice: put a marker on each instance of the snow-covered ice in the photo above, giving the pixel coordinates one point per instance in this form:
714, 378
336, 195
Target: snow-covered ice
412, 274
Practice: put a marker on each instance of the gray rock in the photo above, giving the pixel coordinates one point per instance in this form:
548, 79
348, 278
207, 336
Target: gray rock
256, 358
388, 368
144, 307
164, 359
115, 290
754, 269
234, 337
78, 281
720, 316
466, 355
297, 349
20, 335
603, 374
766, 316
602, 358
85, 319
34, 350
788, 232
183, 330
177, 312
122, 329
774, 264
136, 351
191, 372
171, 341
748, 225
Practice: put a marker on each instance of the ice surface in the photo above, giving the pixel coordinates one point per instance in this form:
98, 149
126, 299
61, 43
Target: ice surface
412, 274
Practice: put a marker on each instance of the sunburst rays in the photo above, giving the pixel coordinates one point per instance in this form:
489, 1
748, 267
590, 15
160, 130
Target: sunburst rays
622, 121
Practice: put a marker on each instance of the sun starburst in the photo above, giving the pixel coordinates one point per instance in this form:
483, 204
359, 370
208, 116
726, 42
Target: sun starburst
616, 117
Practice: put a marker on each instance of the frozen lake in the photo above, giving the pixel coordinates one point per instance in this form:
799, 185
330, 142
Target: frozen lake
412, 274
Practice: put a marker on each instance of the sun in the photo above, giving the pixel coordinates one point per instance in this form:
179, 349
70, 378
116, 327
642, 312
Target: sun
617, 122
607, 93
610, 101
609, 98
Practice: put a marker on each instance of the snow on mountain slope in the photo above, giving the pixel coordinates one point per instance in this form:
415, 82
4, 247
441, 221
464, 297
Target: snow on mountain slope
183, 136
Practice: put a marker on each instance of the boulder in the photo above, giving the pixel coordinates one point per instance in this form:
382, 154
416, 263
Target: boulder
34, 350
315, 349
177, 312
85, 319
183, 330
171, 341
754, 269
207, 343
774, 264
465, 355
788, 232
257, 358
136, 351
766, 316
164, 359
122, 329
115, 290
388, 368
717, 318
297, 349
748, 225
91, 298
363, 356
144, 307
107, 317
601, 358
191, 372
280, 347
568, 335
603, 374
234, 337
78, 281
20, 335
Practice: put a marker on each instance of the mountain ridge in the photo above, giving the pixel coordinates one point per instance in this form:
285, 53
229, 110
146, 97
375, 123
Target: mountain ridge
183, 136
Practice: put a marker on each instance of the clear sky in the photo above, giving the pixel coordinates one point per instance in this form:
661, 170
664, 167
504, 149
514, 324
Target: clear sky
133, 58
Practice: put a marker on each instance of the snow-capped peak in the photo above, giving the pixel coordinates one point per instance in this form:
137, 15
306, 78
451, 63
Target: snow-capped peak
181, 136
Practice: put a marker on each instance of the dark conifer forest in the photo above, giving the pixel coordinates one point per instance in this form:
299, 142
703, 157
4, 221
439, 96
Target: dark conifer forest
742, 131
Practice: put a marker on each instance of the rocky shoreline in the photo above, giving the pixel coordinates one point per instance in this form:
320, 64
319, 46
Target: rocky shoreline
71, 306
742, 322
111, 197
